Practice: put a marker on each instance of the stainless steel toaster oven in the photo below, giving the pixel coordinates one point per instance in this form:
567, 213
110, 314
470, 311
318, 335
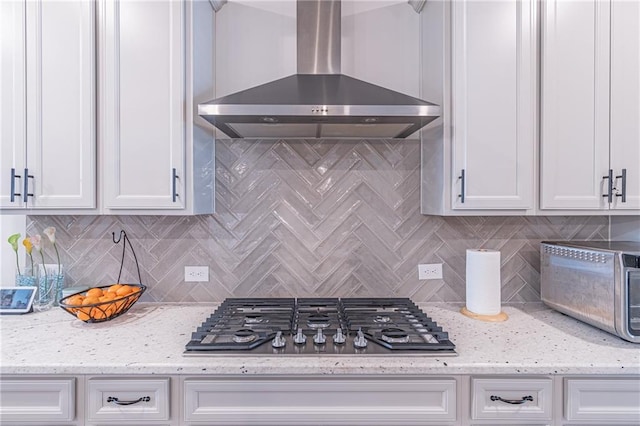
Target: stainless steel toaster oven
597, 282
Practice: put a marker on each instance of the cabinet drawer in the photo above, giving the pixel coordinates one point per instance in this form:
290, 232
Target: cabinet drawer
312, 401
511, 398
602, 399
127, 399
37, 400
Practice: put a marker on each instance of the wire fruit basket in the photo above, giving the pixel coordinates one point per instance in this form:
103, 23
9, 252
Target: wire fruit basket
104, 303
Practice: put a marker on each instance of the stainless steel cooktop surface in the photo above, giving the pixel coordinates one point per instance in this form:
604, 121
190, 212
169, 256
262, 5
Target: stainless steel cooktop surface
319, 326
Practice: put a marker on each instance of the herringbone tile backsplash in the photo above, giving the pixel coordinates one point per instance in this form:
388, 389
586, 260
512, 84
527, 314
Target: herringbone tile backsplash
311, 218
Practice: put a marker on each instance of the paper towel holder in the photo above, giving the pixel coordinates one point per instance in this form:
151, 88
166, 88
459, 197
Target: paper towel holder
483, 286
502, 316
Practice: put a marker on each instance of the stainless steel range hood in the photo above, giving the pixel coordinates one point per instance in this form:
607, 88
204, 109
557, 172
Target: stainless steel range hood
318, 101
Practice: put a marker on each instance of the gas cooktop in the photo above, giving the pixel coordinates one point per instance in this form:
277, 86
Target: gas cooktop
319, 326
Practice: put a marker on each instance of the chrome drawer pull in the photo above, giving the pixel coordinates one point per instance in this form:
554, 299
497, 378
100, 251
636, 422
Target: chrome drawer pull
462, 178
14, 176
26, 194
623, 176
174, 189
609, 194
513, 401
115, 400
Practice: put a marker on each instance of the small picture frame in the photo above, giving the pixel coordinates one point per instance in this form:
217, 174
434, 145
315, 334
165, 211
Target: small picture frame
16, 300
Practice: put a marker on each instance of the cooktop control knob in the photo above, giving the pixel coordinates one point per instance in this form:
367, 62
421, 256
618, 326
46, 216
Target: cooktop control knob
360, 341
299, 338
339, 338
278, 341
319, 338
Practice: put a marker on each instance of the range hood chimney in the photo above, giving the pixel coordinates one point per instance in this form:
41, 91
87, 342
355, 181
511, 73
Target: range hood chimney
318, 101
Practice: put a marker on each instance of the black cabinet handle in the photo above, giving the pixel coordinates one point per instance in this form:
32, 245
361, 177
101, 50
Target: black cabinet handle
25, 193
609, 194
512, 401
462, 178
623, 176
174, 188
118, 402
14, 176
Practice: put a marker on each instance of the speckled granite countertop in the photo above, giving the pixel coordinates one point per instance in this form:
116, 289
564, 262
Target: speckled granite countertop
150, 339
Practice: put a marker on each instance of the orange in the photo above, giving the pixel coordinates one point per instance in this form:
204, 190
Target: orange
107, 297
110, 309
124, 290
114, 288
96, 313
75, 300
94, 292
83, 316
90, 301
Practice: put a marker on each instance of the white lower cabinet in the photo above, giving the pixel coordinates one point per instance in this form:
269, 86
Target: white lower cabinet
498, 398
38, 400
266, 400
320, 401
113, 400
602, 400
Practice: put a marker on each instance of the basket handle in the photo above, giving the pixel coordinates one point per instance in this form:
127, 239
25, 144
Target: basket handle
124, 248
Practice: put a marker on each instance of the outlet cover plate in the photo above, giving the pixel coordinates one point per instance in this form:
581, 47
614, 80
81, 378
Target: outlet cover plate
430, 271
196, 274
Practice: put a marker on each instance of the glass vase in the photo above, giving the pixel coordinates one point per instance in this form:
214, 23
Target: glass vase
45, 294
58, 285
27, 278
50, 284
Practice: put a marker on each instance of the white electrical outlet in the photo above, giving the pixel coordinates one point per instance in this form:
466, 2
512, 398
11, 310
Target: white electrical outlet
196, 273
430, 271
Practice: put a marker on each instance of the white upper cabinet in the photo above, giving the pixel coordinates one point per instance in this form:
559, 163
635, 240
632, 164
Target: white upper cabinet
47, 101
13, 140
153, 72
590, 103
625, 104
479, 62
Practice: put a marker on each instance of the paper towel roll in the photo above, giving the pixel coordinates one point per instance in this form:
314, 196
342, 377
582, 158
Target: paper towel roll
483, 281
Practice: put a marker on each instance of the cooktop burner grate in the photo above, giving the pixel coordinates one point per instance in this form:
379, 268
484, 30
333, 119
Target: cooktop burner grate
319, 326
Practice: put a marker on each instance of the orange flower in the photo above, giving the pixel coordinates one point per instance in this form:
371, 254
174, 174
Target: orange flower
28, 245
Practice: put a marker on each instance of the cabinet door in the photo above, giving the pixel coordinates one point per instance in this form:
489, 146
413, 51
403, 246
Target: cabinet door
142, 65
574, 104
505, 398
37, 400
602, 399
494, 104
625, 101
61, 139
312, 401
12, 102
113, 400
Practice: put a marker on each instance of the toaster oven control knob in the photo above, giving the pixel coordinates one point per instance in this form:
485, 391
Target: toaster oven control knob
319, 338
278, 341
360, 341
339, 338
299, 338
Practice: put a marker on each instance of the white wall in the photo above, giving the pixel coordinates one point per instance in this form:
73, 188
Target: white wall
9, 225
381, 44
256, 43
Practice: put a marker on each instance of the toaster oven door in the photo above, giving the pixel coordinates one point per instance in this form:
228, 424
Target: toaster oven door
633, 301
